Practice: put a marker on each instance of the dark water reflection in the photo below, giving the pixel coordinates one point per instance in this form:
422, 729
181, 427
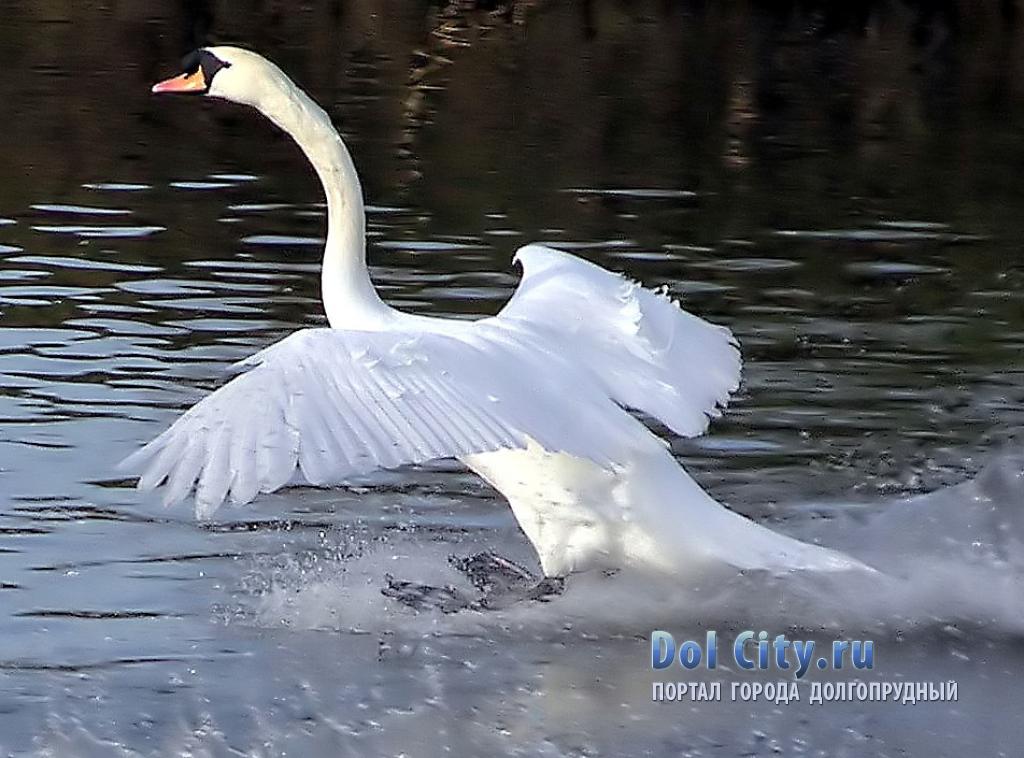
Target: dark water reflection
844, 192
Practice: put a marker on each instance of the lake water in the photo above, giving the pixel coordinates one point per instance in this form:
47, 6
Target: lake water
845, 196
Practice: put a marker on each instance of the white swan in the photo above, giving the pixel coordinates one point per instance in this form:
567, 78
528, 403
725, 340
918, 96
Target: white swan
532, 399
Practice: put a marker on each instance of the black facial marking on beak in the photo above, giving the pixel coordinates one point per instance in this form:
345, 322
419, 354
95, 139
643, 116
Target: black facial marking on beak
210, 64
198, 69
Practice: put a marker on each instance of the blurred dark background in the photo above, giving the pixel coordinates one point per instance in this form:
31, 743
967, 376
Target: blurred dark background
786, 101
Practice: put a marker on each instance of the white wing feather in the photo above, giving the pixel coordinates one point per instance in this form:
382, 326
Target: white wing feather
574, 344
332, 404
650, 354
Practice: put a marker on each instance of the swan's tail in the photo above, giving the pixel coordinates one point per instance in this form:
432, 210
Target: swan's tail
689, 528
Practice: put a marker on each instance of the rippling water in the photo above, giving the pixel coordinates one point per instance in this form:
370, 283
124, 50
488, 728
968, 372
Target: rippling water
847, 204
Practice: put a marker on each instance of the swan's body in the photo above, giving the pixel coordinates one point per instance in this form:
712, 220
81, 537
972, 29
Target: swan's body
532, 399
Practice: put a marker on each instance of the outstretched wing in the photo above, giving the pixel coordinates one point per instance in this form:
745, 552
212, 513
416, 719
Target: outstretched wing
332, 404
649, 354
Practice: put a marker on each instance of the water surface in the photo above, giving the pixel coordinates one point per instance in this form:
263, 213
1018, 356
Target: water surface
845, 199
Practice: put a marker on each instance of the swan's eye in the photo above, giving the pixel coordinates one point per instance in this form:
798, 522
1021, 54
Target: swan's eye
190, 63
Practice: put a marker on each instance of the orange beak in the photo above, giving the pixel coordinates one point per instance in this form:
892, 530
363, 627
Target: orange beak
195, 82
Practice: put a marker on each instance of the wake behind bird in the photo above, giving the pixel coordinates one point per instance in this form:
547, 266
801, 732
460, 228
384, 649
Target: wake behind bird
947, 561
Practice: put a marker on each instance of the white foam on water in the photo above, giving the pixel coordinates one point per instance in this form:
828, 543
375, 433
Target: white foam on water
952, 559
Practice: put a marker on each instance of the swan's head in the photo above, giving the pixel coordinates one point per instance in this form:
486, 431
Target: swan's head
229, 73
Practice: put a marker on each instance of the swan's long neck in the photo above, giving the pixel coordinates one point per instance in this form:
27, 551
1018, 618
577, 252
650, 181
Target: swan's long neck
349, 297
